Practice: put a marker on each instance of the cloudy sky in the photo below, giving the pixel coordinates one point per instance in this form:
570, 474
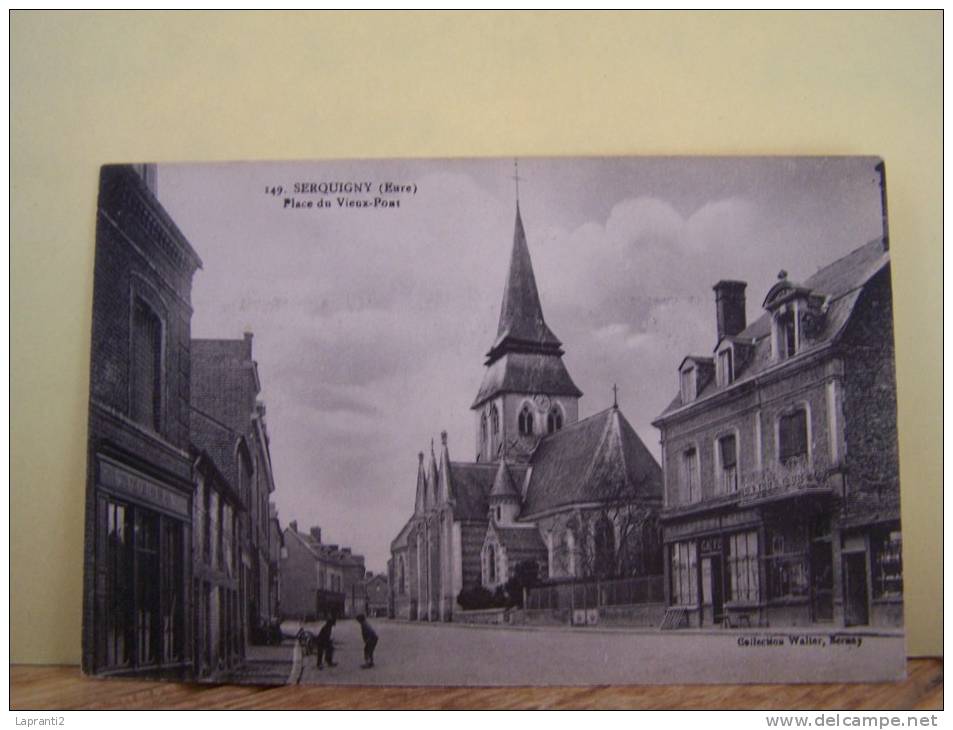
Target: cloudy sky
371, 324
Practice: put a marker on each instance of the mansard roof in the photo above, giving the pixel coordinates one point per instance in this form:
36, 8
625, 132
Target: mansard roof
598, 459
839, 284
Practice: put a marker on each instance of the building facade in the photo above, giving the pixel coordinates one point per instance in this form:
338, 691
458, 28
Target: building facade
780, 458
137, 597
225, 388
223, 468
319, 580
579, 497
376, 594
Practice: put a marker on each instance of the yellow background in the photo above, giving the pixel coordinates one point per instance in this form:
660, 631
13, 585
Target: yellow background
122, 87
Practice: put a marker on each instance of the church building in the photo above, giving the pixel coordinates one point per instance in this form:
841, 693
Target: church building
580, 498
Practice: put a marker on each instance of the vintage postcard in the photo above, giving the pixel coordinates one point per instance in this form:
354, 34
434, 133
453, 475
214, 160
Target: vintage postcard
494, 422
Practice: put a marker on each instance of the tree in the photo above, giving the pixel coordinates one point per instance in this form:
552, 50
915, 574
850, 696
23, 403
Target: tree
525, 576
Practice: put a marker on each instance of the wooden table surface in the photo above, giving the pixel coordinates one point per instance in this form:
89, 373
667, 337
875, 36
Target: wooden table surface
64, 688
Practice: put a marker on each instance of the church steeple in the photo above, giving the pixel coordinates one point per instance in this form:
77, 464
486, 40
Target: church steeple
522, 327
526, 391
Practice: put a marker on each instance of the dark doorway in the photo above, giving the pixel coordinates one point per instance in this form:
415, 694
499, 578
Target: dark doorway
855, 589
717, 595
822, 581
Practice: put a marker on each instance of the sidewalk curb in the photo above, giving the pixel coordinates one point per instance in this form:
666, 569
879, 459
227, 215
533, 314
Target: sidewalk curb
653, 631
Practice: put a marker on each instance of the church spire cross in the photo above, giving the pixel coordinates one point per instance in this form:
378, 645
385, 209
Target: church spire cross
517, 178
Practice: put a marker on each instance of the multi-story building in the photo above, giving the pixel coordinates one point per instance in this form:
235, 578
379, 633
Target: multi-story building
137, 599
225, 388
780, 458
223, 469
318, 579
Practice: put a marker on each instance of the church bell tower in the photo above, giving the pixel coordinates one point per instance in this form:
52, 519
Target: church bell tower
526, 392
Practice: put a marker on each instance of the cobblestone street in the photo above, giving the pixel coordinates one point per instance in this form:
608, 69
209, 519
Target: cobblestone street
455, 654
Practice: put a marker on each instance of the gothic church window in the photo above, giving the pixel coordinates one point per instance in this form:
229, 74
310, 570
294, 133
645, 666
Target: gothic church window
494, 420
605, 547
554, 421
526, 421
491, 564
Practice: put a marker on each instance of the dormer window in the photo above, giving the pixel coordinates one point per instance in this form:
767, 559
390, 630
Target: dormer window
787, 335
726, 366
687, 384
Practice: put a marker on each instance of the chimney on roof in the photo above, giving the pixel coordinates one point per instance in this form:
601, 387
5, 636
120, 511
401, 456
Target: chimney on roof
248, 338
730, 307
293, 525
346, 551
316, 534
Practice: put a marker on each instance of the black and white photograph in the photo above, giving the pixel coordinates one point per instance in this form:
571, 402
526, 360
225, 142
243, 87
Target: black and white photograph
494, 422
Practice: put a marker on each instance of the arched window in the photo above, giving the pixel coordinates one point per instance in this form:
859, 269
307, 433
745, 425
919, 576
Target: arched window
605, 547
526, 420
494, 420
569, 545
491, 564
400, 575
554, 421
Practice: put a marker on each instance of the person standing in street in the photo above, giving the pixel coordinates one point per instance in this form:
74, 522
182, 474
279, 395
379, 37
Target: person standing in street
370, 641
325, 645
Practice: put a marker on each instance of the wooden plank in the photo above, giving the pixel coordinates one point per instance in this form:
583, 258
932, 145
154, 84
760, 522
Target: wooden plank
65, 688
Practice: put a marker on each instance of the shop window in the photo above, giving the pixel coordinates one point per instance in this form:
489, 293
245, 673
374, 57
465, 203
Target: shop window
787, 565
525, 421
118, 584
886, 564
792, 437
690, 477
146, 366
728, 455
171, 580
684, 574
743, 574
146, 545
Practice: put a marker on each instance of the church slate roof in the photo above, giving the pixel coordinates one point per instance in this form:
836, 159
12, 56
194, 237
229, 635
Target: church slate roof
523, 372
503, 485
521, 541
526, 356
472, 483
598, 458
840, 282
521, 315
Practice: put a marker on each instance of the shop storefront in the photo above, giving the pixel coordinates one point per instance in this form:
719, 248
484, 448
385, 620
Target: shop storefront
142, 572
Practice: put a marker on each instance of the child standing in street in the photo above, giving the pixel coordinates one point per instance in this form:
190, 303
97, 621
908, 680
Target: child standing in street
325, 645
370, 641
